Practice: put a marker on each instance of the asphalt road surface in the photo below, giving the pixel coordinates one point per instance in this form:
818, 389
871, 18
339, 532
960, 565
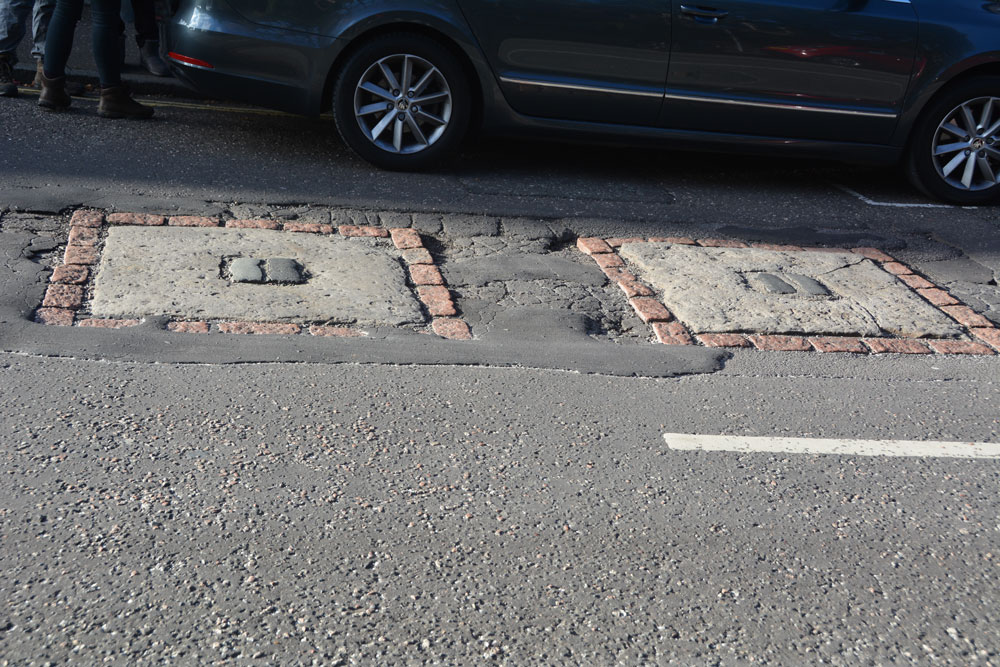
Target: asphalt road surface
403, 501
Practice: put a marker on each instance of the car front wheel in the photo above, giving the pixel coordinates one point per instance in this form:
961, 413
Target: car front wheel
955, 149
402, 102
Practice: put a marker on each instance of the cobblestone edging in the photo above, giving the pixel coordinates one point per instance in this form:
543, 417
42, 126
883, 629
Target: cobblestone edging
983, 334
66, 293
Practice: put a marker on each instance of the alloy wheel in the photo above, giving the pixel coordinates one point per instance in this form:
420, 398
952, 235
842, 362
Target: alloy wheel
964, 149
403, 104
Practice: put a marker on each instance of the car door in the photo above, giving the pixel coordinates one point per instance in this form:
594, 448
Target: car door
591, 60
817, 69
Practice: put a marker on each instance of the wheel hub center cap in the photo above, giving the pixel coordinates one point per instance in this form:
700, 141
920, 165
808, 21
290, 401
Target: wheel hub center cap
978, 144
403, 104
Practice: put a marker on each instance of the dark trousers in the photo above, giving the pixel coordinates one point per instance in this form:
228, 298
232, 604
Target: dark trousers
107, 53
145, 22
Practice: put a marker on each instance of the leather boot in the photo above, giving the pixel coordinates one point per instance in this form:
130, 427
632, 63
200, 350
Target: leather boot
73, 88
117, 103
149, 57
53, 96
8, 87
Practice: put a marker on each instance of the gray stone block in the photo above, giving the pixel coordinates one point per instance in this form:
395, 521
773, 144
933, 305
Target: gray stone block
245, 270
283, 270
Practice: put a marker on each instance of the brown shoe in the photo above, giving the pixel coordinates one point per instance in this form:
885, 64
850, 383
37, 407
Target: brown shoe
73, 88
117, 103
53, 95
8, 86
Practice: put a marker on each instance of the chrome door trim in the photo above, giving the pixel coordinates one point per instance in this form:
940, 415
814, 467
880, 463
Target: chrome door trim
786, 107
586, 89
696, 98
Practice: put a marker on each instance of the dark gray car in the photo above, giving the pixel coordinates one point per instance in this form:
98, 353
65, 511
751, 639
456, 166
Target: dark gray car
874, 80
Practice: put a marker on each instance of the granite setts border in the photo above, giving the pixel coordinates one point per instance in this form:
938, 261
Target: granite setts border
982, 335
66, 295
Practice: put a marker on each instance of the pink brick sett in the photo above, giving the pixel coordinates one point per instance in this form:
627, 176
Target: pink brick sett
938, 296
896, 346
649, 309
192, 221
896, 268
83, 236
988, 335
355, 230
438, 301
188, 327
839, 344
136, 219
87, 218
63, 296
452, 328
406, 238
108, 324
966, 316
308, 227
426, 274
916, 282
70, 275
959, 347
781, 343
417, 256
607, 260
592, 246
62, 317
672, 333
724, 340
77, 254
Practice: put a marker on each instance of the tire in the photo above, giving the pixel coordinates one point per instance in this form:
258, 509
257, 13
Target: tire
948, 175
424, 127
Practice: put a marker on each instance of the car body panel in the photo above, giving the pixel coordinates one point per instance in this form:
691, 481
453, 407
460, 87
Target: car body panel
609, 63
818, 69
283, 53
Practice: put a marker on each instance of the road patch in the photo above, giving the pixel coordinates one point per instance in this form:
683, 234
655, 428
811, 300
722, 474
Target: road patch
724, 293
204, 274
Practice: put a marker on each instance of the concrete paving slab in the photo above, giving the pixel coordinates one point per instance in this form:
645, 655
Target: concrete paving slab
728, 290
177, 272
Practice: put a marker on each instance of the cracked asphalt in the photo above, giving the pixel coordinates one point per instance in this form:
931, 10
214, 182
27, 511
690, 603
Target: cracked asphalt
404, 500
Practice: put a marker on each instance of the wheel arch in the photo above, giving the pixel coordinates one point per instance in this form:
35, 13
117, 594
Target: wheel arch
362, 36
941, 86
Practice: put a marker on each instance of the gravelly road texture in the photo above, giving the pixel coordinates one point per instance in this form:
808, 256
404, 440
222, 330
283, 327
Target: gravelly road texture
230, 511
362, 515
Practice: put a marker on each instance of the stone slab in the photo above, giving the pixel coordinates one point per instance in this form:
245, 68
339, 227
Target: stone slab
177, 272
715, 290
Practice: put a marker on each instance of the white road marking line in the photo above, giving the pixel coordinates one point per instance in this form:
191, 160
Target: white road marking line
872, 202
747, 444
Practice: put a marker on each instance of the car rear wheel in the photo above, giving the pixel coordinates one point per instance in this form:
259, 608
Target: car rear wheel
402, 102
954, 153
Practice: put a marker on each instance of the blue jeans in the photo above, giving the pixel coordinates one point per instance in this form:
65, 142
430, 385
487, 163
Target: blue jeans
14, 16
107, 53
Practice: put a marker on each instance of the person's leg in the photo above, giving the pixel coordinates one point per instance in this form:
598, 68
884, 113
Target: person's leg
145, 22
115, 99
147, 36
40, 20
58, 45
104, 14
59, 38
13, 17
